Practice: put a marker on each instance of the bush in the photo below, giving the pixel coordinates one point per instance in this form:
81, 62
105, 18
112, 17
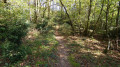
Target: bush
42, 25
112, 33
11, 35
66, 29
13, 27
12, 52
13, 32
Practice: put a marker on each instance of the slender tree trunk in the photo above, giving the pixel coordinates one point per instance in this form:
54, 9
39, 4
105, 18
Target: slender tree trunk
117, 24
40, 5
79, 17
44, 12
48, 9
79, 7
30, 10
98, 17
106, 25
70, 23
61, 11
35, 11
53, 8
107, 14
75, 6
87, 25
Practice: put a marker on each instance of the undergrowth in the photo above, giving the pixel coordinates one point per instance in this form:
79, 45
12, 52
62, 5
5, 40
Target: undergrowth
73, 62
43, 50
88, 53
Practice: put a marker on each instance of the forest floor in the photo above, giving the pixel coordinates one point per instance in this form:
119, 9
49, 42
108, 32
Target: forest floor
57, 50
89, 52
62, 52
42, 50
80, 51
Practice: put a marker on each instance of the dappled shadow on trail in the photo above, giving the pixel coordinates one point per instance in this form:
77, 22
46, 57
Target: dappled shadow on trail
89, 52
86, 52
62, 52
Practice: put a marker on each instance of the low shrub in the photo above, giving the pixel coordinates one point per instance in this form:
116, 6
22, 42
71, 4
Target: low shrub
66, 29
42, 24
112, 33
12, 52
13, 32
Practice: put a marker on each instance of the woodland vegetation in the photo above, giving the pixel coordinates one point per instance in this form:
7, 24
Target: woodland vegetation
30, 32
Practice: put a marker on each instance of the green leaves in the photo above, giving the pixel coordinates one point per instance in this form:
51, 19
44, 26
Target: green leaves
14, 52
73, 62
12, 29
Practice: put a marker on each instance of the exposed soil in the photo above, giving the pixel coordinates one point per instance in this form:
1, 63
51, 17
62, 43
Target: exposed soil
62, 52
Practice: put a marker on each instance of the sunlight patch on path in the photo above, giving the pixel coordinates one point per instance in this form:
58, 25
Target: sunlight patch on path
62, 53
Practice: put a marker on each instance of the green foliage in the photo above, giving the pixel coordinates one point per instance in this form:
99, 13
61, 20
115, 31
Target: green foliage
13, 28
13, 23
91, 17
42, 63
65, 29
72, 61
112, 33
15, 16
74, 44
12, 52
43, 26
13, 32
37, 43
44, 48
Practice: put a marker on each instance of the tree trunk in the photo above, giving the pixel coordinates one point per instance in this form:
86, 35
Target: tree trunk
70, 23
79, 17
79, 7
87, 25
107, 14
117, 24
61, 11
98, 18
44, 11
53, 8
48, 9
35, 11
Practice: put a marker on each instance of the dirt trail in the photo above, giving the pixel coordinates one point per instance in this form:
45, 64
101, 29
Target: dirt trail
62, 52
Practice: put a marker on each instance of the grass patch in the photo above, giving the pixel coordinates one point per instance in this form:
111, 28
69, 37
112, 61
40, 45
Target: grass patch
73, 62
74, 44
44, 48
89, 53
41, 51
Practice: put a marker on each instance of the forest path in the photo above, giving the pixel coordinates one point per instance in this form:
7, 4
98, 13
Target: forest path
62, 51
